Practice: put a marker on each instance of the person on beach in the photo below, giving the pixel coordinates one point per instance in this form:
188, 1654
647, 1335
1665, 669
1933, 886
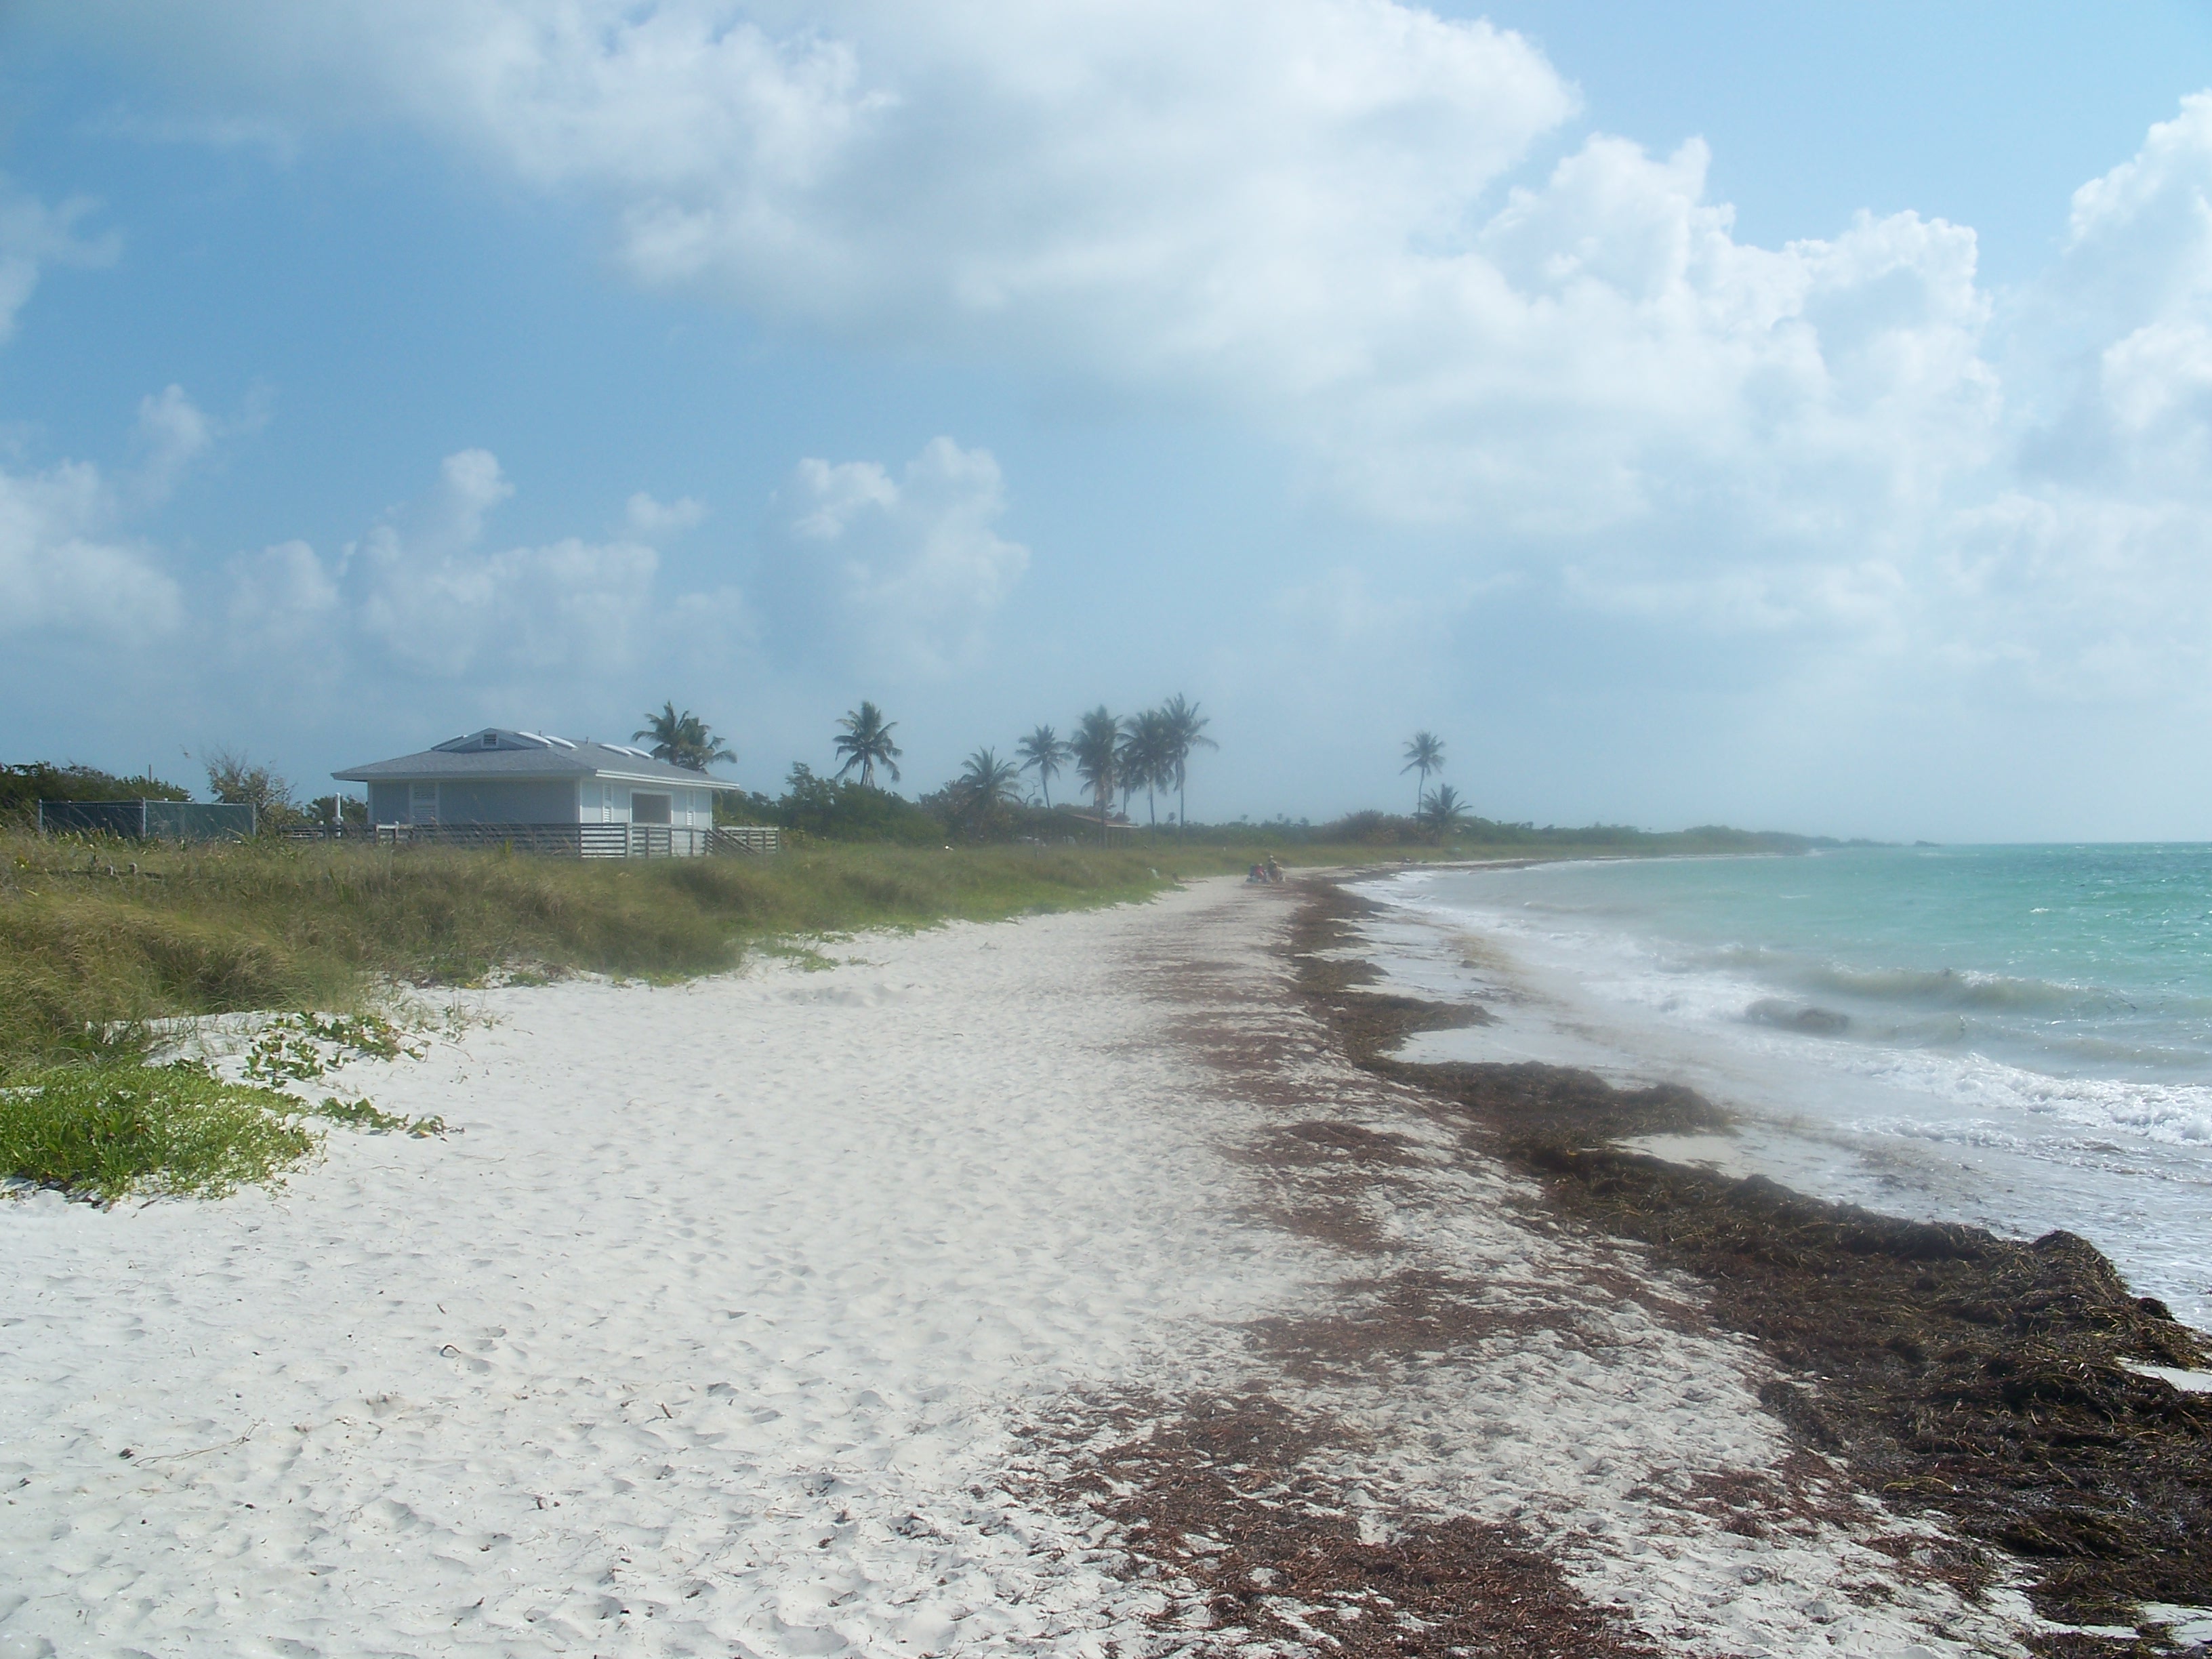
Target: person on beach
1274, 870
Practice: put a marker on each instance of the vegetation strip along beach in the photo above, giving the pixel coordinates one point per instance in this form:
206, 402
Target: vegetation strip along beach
102, 941
97, 941
102, 945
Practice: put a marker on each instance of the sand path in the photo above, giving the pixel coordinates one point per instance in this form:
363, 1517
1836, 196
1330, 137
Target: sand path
714, 1331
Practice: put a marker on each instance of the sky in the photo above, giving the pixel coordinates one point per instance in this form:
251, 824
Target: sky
1792, 417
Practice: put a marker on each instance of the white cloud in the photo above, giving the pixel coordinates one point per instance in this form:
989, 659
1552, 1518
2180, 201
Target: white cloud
430, 594
284, 600
906, 573
34, 236
69, 562
172, 433
1296, 211
2076, 567
649, 519
2138, 269
1146, 191
2139, 240
67, 566
1316, 218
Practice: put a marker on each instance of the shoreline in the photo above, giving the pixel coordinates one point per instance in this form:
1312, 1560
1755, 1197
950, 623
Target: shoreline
1070, 1284
1847, 1080
1891, 1331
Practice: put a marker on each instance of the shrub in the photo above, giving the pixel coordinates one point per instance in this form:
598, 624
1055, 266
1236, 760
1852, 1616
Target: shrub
22, 788
236, 778
838, 809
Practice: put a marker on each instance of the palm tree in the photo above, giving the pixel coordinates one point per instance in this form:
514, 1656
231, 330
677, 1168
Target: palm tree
1096, 748
1424, 755
1044, 753
683, 739
867, 744
1444, 809
988, 782
1147, 758
1187, 731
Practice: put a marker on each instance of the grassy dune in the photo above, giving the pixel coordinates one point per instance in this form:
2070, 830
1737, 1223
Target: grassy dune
90, 946
99, 940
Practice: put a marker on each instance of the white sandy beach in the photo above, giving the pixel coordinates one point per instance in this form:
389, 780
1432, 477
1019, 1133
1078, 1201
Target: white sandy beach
716, 1329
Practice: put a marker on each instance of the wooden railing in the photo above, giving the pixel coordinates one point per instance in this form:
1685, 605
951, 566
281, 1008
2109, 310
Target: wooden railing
746, 838
587, 840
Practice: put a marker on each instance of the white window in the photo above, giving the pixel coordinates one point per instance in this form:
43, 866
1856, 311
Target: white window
649, 809
422, 803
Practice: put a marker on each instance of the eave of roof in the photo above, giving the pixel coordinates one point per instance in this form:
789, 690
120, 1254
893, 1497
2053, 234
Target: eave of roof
529, 766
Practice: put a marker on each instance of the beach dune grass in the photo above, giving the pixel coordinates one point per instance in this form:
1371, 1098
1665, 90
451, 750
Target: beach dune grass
99, 942
100, 939
104, 1132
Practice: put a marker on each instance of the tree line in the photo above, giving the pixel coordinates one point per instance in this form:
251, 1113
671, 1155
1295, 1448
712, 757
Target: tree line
1114, 757
232, 777
1151, 751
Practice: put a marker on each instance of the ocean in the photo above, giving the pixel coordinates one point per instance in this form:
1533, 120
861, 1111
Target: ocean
2015, 1036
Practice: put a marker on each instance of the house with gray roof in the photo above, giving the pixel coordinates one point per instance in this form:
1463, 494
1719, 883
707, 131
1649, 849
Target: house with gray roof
548, 793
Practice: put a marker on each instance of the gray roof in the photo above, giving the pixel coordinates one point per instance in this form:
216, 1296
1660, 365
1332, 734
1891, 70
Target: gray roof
497, 752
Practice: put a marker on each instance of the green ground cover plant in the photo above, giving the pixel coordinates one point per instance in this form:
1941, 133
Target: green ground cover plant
104, 1132
298, 1048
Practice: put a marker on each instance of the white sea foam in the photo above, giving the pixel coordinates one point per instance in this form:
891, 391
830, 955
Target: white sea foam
1898, 1112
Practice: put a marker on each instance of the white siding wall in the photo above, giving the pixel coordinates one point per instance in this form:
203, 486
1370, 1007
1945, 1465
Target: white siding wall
598, 801
610, 803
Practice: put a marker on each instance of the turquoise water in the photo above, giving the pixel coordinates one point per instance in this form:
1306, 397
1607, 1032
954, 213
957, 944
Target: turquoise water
2079, 961
2017, 1035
